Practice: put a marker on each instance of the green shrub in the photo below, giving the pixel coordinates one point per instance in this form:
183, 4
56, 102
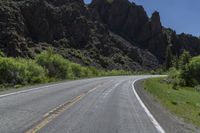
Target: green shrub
34, 72
81, 72
86, 72
48, 66
176, 62
11, 71
175, 83
191, 72
197, 88
94, 71
184, 59
76, 70
173, 74
174, 78
20, 71
159, 71
57, 67
116, 73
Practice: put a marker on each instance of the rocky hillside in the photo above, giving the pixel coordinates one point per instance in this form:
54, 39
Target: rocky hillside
131, 22
109, 34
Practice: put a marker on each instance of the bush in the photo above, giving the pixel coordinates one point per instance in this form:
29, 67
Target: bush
34, 72
116, 73
81, 72
197, 88
191, 72
20, 71
175, 83
57, 67
174, 78
184, 59
86, 72
77, 70
173, 74
94, 71
48, 66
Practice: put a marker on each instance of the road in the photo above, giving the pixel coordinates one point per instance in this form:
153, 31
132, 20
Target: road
98, 105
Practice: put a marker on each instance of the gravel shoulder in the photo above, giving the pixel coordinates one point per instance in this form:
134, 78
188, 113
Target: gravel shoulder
169, 122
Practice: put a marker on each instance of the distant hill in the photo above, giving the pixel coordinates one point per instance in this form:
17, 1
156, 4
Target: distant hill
109, 34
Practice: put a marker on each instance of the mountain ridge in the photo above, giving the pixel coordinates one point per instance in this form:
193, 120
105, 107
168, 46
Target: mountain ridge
98, 34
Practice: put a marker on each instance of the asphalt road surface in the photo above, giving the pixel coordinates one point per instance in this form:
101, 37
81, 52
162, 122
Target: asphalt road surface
98, 105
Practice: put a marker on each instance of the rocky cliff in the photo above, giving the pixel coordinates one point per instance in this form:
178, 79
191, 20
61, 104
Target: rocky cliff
131, 22
109, 34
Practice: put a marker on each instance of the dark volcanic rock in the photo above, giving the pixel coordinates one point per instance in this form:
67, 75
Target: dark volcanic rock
152, 37
109, 34
121, 16
182, 42
131, 22
186, 42
28, 27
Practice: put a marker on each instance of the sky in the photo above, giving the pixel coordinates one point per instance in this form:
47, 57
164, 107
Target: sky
180, 15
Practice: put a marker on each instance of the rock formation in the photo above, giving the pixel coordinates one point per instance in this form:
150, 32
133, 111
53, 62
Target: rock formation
109, 34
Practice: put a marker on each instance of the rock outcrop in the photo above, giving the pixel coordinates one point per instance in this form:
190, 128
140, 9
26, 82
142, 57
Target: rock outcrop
27, 27
131, 22
109, 34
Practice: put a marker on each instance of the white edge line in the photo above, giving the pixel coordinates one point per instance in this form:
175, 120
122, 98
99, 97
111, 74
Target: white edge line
34, 89
153, 120
29, 90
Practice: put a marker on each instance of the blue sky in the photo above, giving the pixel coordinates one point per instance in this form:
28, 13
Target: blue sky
180, 15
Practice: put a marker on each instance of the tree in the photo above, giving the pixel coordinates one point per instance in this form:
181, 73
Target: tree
191, 72
184, 59
176, 62
168, 58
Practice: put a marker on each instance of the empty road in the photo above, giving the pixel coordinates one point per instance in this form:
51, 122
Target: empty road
98, 105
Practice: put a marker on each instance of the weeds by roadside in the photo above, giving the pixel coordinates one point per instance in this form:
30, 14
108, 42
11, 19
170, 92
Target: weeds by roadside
182, 101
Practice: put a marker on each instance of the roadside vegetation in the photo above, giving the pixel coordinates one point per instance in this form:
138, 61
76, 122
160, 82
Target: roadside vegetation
184, 102
184, 70
180, 91
46, 67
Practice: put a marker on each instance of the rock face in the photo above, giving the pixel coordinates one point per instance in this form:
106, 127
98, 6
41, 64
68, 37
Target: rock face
131, 22
109, 34
27, 27
121, 16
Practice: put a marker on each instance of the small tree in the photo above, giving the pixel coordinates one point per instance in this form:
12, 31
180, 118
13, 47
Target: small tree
176, 62
168, 58
191, 72
184, 59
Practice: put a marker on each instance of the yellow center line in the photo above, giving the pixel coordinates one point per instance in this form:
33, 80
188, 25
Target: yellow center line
53, 114
92, 90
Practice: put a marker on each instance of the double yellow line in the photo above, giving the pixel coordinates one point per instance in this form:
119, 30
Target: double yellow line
53, 114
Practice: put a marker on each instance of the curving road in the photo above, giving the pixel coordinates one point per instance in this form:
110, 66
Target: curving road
98, 105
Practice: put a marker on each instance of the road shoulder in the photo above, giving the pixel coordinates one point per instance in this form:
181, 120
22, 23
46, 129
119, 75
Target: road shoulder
169, 122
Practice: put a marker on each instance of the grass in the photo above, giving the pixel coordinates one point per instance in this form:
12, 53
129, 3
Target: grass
183, 102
